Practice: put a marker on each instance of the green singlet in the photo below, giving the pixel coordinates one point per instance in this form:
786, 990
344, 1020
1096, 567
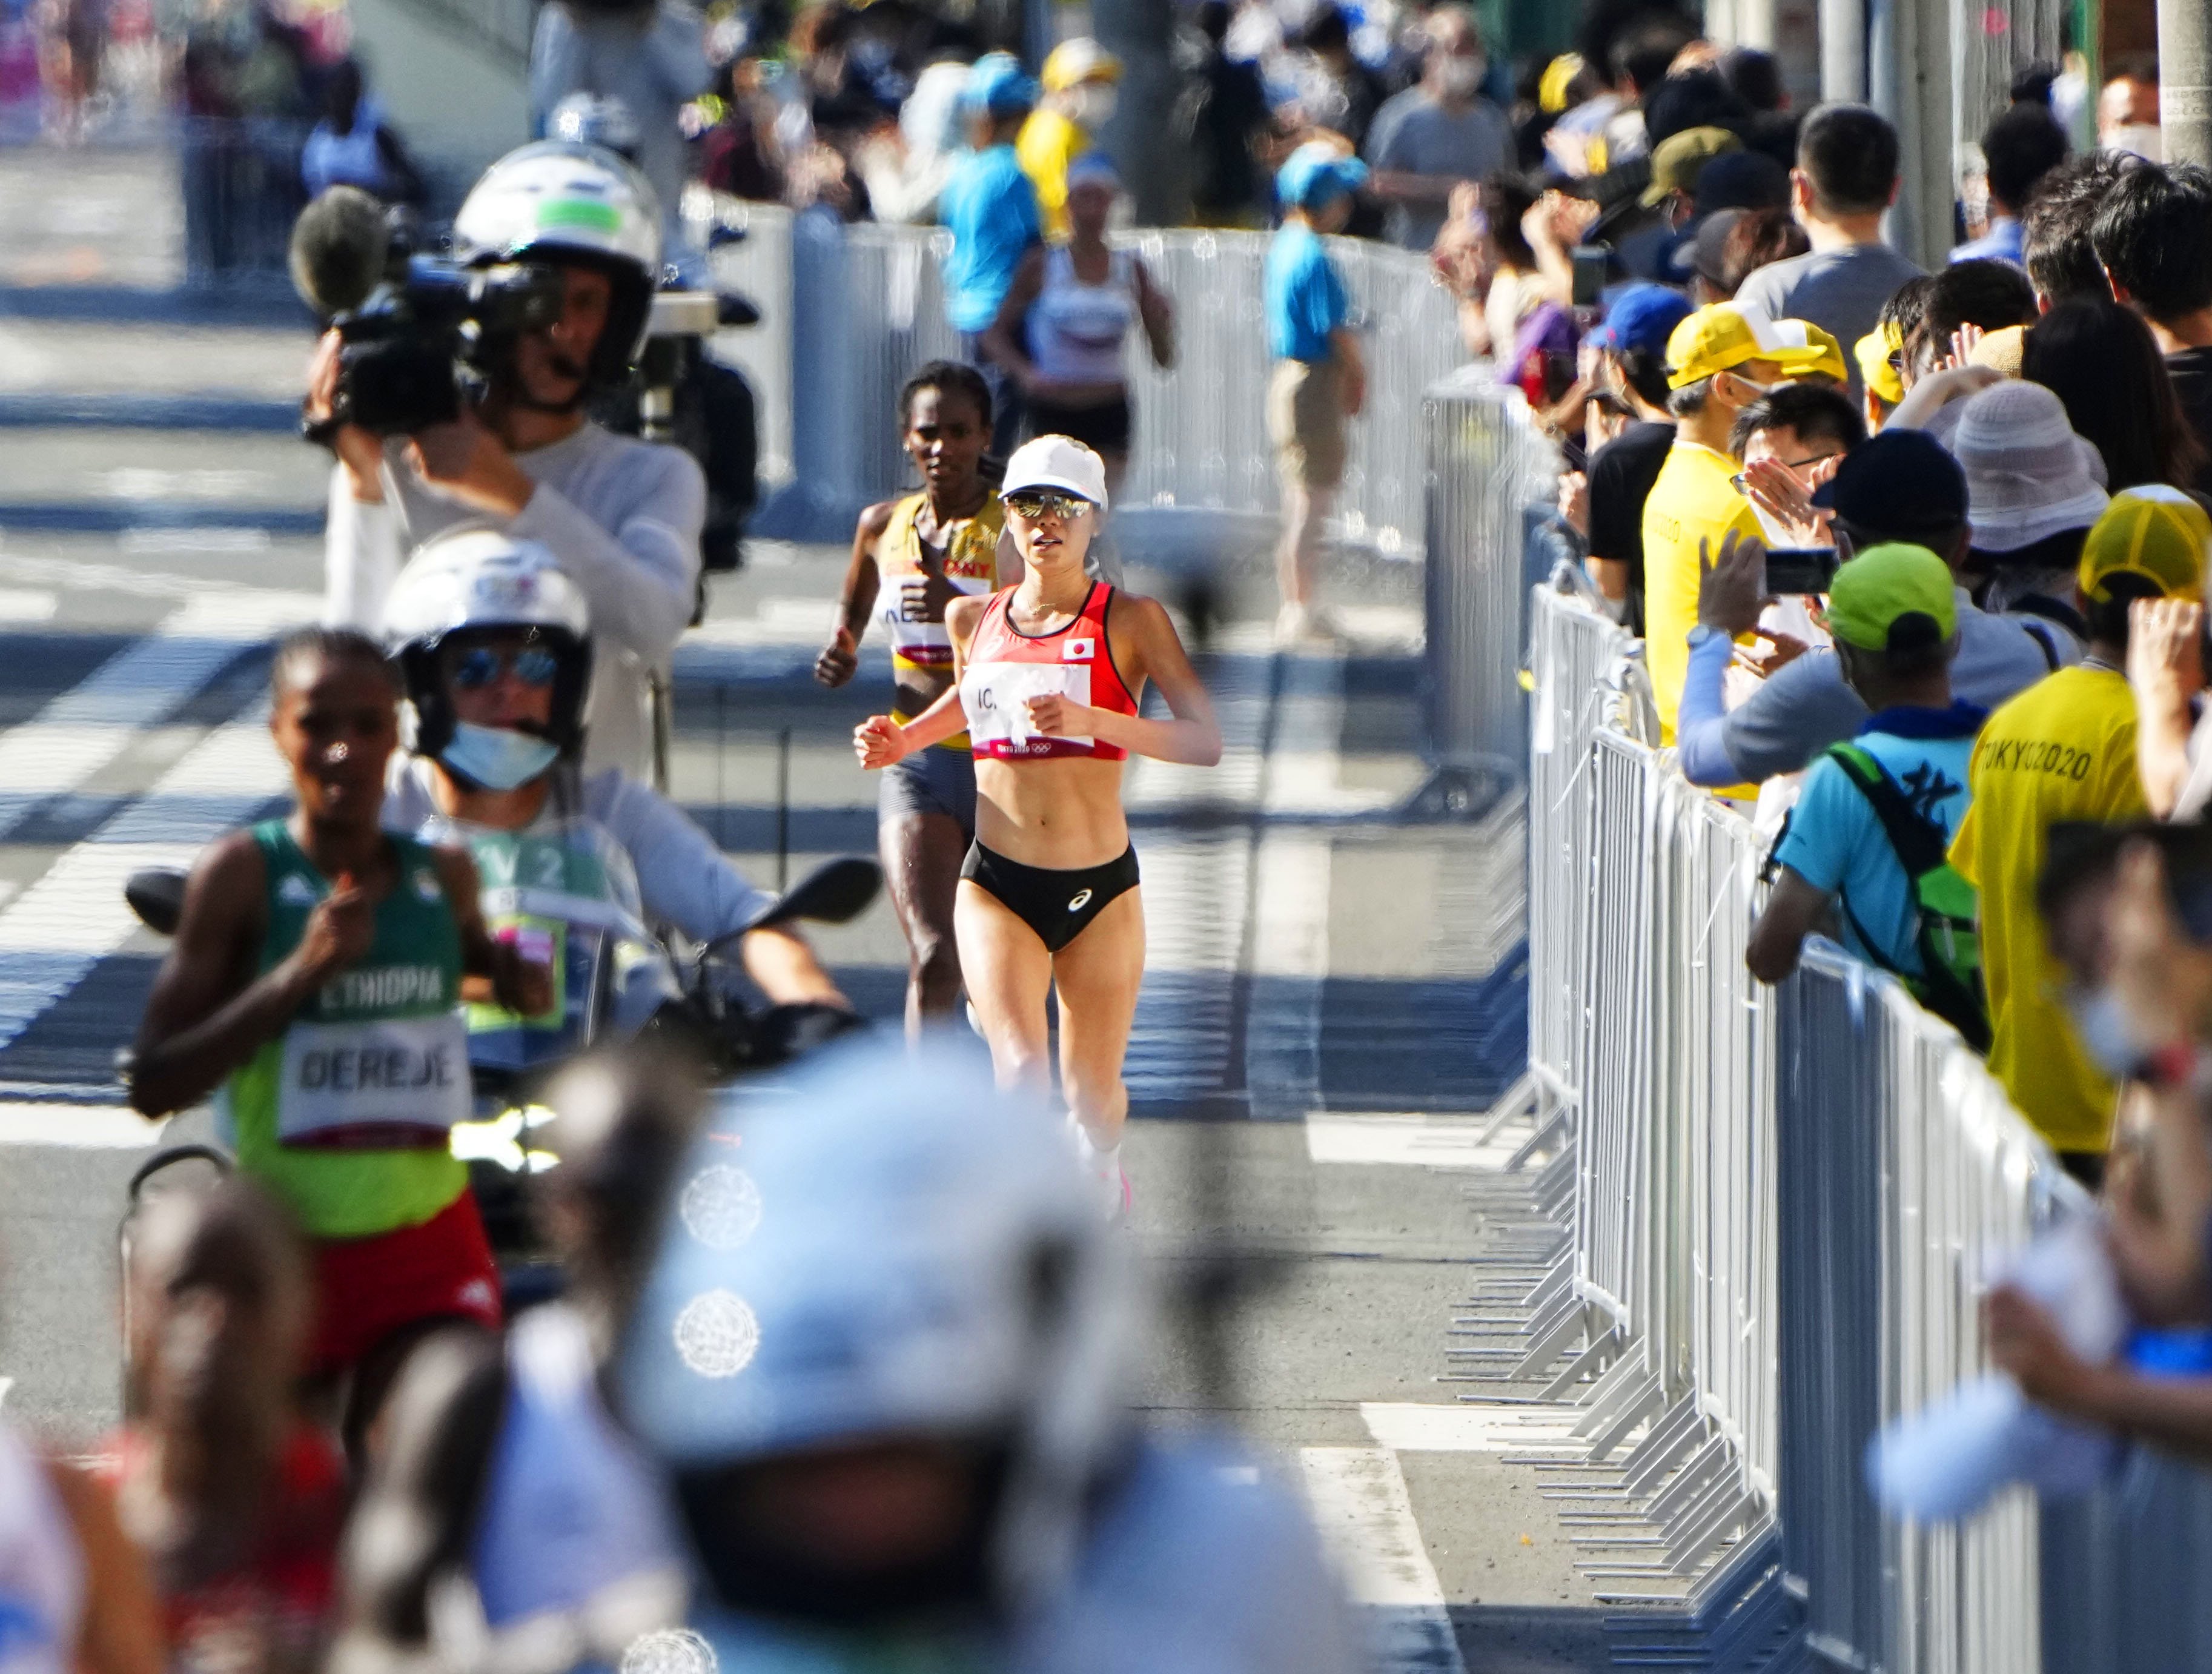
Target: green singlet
346, 1115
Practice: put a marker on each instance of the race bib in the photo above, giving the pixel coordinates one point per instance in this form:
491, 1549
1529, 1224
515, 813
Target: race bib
996, 697
393, 1084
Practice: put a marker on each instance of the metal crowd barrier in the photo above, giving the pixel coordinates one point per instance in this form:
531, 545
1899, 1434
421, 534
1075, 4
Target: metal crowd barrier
868, 306
241, 192
1788, 1204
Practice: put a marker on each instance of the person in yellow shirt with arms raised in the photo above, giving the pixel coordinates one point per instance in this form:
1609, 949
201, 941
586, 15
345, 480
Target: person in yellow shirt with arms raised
2064, 749
1719, 361
1080, 80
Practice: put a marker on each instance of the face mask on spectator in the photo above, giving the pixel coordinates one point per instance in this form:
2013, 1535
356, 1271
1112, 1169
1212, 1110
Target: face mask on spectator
1093, 105
1461, 75
2145, 139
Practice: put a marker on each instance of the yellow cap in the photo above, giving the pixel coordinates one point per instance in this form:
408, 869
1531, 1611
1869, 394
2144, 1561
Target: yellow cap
2153, 531
1074, 62
1723, 335
1877, 370
1559, 76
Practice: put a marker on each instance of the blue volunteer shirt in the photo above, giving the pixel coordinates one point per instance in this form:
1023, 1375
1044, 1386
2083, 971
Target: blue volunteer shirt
991, 209
1305, 298
1836, 843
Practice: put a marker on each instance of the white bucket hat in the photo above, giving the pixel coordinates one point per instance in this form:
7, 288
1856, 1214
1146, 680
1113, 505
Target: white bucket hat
1057, 462
2029, 475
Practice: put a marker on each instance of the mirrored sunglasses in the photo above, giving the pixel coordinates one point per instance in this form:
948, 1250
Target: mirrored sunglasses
534, 665
1035, 503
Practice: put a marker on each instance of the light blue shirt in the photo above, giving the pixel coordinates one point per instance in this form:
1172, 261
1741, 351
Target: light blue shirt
1304, 296
991, 209
1836, 843
2002, 243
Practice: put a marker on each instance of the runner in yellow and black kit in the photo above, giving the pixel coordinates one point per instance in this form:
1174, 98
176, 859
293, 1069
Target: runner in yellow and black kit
316, 980
922, 552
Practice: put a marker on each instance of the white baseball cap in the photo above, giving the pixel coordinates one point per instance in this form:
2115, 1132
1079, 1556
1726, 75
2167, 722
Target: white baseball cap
1057, 462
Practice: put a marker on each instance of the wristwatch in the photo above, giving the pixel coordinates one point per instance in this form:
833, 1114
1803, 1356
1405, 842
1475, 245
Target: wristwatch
1702, 631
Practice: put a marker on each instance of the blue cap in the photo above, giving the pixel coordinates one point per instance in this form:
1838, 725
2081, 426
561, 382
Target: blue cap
1315, 173
999, 86
1642, 317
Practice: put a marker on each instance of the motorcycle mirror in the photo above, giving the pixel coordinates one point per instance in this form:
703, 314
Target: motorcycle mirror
157, 896
835, 893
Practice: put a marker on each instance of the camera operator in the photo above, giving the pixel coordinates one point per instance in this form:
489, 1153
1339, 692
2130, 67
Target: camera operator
622, 516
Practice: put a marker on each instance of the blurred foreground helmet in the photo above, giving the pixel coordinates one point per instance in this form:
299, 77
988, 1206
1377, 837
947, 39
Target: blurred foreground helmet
886, 1248
574, 205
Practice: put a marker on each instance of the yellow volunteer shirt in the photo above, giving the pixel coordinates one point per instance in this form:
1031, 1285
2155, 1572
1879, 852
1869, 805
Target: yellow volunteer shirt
1692, 499
1049, 143
2064, 749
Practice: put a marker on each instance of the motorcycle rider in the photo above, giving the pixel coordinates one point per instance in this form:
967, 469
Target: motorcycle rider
495, 646
622, 516
895, 1404
507, 1484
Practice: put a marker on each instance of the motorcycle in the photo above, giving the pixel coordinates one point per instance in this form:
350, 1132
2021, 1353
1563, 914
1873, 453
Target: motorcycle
566, 896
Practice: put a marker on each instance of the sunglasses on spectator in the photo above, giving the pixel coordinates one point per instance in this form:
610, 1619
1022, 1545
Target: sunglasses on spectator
534, 665
1035, 503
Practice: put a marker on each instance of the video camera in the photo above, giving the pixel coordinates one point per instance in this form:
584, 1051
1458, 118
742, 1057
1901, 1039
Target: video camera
413, 325
430, 323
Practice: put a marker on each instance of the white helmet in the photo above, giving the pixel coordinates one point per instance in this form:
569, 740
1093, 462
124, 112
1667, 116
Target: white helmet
557, 200
827, 1277
480, 580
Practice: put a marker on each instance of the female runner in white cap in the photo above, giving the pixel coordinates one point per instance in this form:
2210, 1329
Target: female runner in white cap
1050, 672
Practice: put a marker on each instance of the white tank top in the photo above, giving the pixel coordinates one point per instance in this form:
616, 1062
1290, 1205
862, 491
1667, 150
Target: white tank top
1076, 329
572, 1512
41, 1568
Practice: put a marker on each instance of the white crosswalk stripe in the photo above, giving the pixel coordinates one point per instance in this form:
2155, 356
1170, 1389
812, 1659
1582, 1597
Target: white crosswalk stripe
54, 933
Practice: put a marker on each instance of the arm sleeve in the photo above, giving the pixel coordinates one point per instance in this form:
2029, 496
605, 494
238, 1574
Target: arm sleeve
361, 557
1792, 718
641, 578
1700, 727
682, 877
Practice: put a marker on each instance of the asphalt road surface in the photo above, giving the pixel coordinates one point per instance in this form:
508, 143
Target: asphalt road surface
1332, 995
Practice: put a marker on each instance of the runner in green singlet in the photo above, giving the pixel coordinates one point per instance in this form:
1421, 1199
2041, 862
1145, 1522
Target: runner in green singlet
316, 982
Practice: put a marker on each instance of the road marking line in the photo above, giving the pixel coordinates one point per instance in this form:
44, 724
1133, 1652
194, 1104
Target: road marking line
93, 1127
1365, 1519
1432, 1142
79, 732
1412, 1427
54, 933
27, 605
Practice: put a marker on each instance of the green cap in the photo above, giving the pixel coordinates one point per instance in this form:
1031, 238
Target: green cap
1892, 597
1677, 161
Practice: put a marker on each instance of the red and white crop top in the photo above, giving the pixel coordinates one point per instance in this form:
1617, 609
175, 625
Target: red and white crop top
1007, 667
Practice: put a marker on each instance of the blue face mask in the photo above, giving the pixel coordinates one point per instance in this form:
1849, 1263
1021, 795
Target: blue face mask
498, 757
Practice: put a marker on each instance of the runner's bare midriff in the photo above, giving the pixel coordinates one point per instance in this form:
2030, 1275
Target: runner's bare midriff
1062, 812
